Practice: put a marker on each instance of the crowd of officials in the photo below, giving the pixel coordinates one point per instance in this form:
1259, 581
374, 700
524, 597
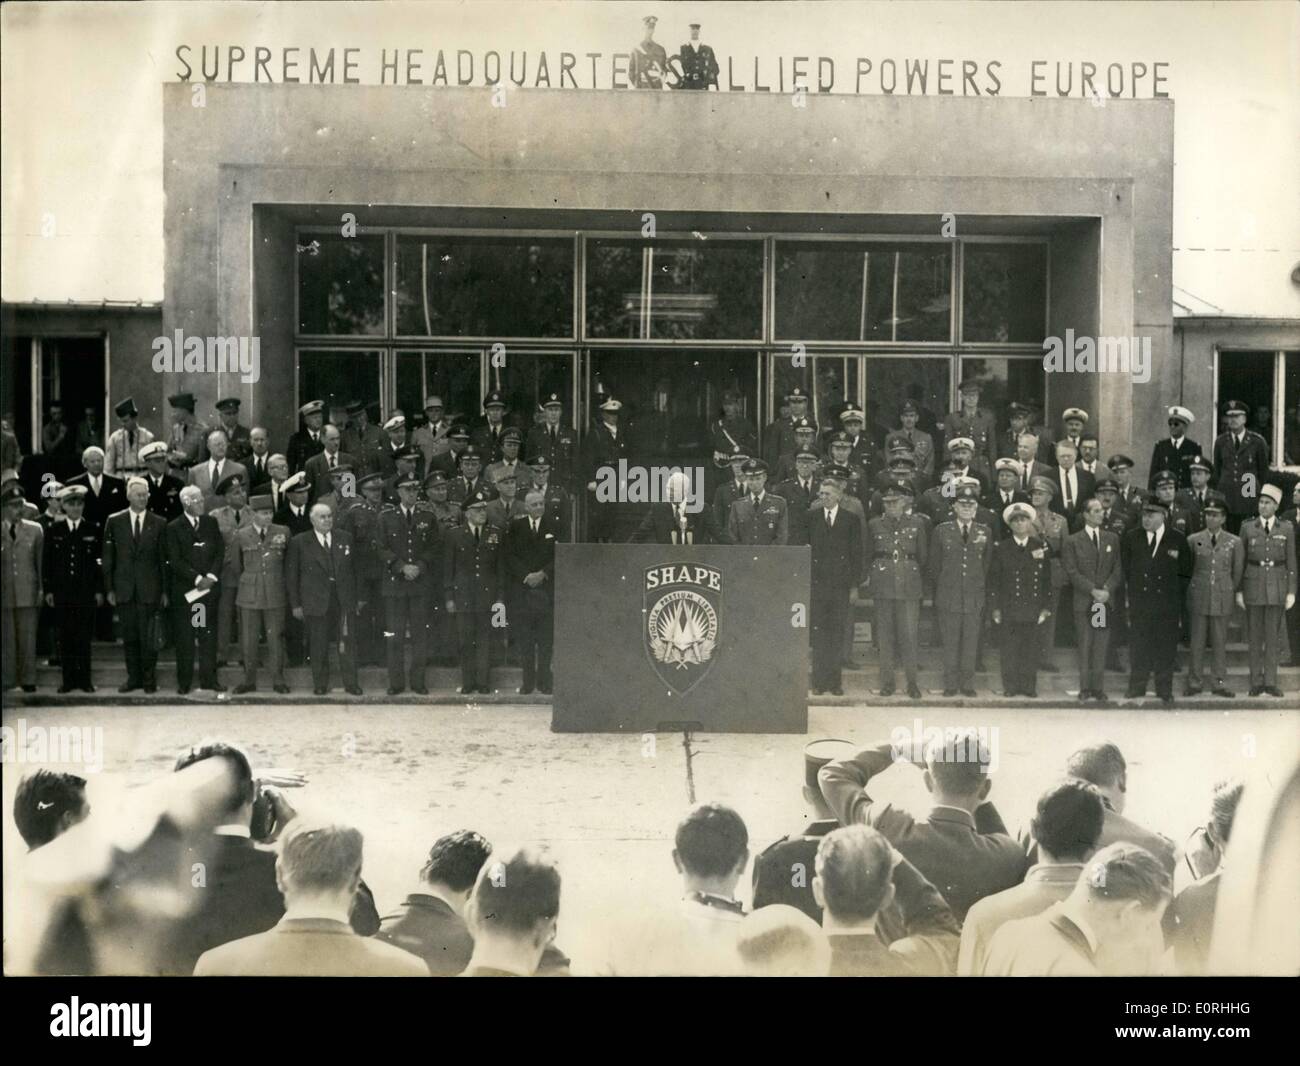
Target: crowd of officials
868, 890
403, 544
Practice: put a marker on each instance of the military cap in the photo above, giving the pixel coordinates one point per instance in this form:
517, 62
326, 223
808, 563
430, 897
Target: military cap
13, 492
262, 503
966, 479
459, 431
841, 437
1074, 414
182, 399
1200, 463
1043, 484
970, 385
478, 499
693, 25
1015, 407
313, 407
805, 425
396, 422
296, 483
754, 466
231, 481
539, 462
470, 452
1018, 510
1273, 492
961, 442
807, 453
896, 490
906, 462
1014, 465
407, 451
71, 492
965, 491
841, 473
1106, 483
126, 409
432, 401
494, 399
137, 480
370, 479
1120, 462
1165, 477
407, 481
506, 475
230, 403
611, 404
153, 448
512, 434
1235, 407
851, 412
1150, 503
738, 454
553, 400
435, 477
355, 407
343, 468
1182, 414
909, 408
796, 394
1215, 501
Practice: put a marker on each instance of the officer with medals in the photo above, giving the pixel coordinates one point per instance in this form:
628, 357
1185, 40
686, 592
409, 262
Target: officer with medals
164, 490
1052, 529
436, 502
1177, 451
74, 585
758, 517
361, 523
559, 507
917, 441
554, 440
727, 494
974, 423
800, 493
959, 563
1194, 497
474, 580
230, 516
839, 452
1130, 496
1020, 594
779, 435
1240, 465
805, 439
306, 442
1183, 516
1268, 588
408, 544
259, 548
861, 454
699, 64
510, 462
1218, 564
649, 63
603, 447
897, 549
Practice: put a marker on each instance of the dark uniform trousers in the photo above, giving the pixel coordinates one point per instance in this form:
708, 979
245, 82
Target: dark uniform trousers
1155, 595
960, 567
402, 615
72, 577
1020, 588
403, 541
473, 583
898, 551
897, 622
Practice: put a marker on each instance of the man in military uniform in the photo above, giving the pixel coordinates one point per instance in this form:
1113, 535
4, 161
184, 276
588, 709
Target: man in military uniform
23, 544
1240, 465
839, 452
508, 503
897, 548
799, 493
1091, 559
901, 468
230, 517
918, 442
835, 537
362, 438
960, 551
779, 435
122, 456
470, 479
530, 576
297, 519
1018, 415
510, 463
435, 501
604, 446
187, 445
758, 517
805, 437
431, 438
1157, 564
405, 460
342, 495
74, 585
449, 461
649, 63
259, 548
361, 522
474, 578
1131, 497
962, 451
974, 424
861, 454
1197, 494
558, 505
1052, 529
699, 65
731, 433
306, 442
1020, 595
1268, 588
1184, 517
1007, 491
241, 446
488, 436
407, 544
164, 490
1219, 561
1177, 451
1116, 518
554, 440
1074, 419
729, 492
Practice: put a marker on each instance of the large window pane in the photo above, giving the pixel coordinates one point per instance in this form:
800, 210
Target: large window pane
454, 377
527, 379
1004, 293
341, 284
891, 382
674, 290
341, 376
1291, 416
454, 286
1021, 379
863, 291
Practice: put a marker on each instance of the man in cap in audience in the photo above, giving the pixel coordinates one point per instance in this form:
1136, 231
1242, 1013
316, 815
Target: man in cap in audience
22, 542
407, 543
469, 479
554, 440
897, 548
508, 504
974, 423
962, 451
241, 445
1007, 491
134, 564
1197, 494
122, 455
1074, 420
1177, 451
431, 438
473, 580
186, 446
306, 442
1090, 559
758, 517
604, 446
1157, 564
259, 548
1184, 517
1020, 594
805, 440
1268, 589
960, 551
449, 514
919, 443
320, 466
449, 461
1020, 421
232, 514
799, 492
1219, 561
323, 596
488, 436
1240, 465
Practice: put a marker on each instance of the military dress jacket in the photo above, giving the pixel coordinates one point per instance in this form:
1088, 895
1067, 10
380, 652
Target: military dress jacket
1217, 570
259, 566
1270, 562
959, 567
897, 554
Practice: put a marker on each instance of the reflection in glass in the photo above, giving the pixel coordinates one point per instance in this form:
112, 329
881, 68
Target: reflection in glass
891, 382
341, 284
527, 379
1004, 293
829, 380
339, 375
451, 376
1021, 379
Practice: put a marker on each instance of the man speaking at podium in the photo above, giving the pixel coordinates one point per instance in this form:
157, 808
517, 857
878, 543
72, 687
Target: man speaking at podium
679, 520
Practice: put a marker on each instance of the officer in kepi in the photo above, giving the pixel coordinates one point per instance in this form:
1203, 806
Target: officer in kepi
259, 550
1268, 588
74, 585
896, 546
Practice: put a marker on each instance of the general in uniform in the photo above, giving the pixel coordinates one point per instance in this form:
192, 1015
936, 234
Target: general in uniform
553, 440
1020, 595
122, 455
799, 493
474, 576
361, 523
731, 433
1240, 465
188, 441
407, 544
1218, 563
1091, 560
23, 544
779, 436
241, 444
1268, 588
510, 463
974, 423
649, 63
306, 442
758, 517
604, 446
259, 548
164, 490
1177, 451
558, 503
1157, 564
1053, 528
230, 517
960, 552
363, 438
896, 546
74, 585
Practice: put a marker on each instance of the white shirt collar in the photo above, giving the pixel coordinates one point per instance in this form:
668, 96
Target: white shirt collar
830, 514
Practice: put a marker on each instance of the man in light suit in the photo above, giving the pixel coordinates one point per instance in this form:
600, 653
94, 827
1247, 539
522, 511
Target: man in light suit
322, 595
758, 517
195, 553
1218, 563
208, 475
22, 542
259, 548
1091, 560
135, 582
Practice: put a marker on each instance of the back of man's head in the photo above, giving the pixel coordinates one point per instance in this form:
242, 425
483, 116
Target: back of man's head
1099, 764
712, 841
1068, 821
1126, 873
855, 867
46, 803
959, 764
242, 769
515, 897
1223, 808
319, 858
781, 941
456, 859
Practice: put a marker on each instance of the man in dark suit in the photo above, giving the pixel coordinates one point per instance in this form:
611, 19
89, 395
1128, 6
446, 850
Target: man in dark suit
74, 585
605, 444
322, 595
1240, 465
835, 537
473, 579
408, 547
1091, 558
1073, 485
105, 494
306, 442
319, 466
530, 585
295, 517
135, 582
680, 519
1020, 595
1175, 452
195, 552
1157, 564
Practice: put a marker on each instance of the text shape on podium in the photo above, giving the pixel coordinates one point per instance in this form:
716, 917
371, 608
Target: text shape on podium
656, 634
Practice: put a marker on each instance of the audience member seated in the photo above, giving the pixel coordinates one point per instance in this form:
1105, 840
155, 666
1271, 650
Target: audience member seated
512, 914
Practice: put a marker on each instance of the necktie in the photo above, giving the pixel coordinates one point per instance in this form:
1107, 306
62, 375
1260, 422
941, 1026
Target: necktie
327, 542
477, 541
1214, 540
1153, 544
1092, 535
130, 438
534, 525
333, 462
236, 518
13, 531
1069, 495
261, 536
965, 534
830, 522
1268, 528
135, 528
216, 475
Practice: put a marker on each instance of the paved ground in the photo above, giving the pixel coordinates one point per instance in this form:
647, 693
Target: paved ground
607, 804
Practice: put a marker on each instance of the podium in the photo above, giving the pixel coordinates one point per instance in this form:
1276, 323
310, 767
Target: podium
712, 638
